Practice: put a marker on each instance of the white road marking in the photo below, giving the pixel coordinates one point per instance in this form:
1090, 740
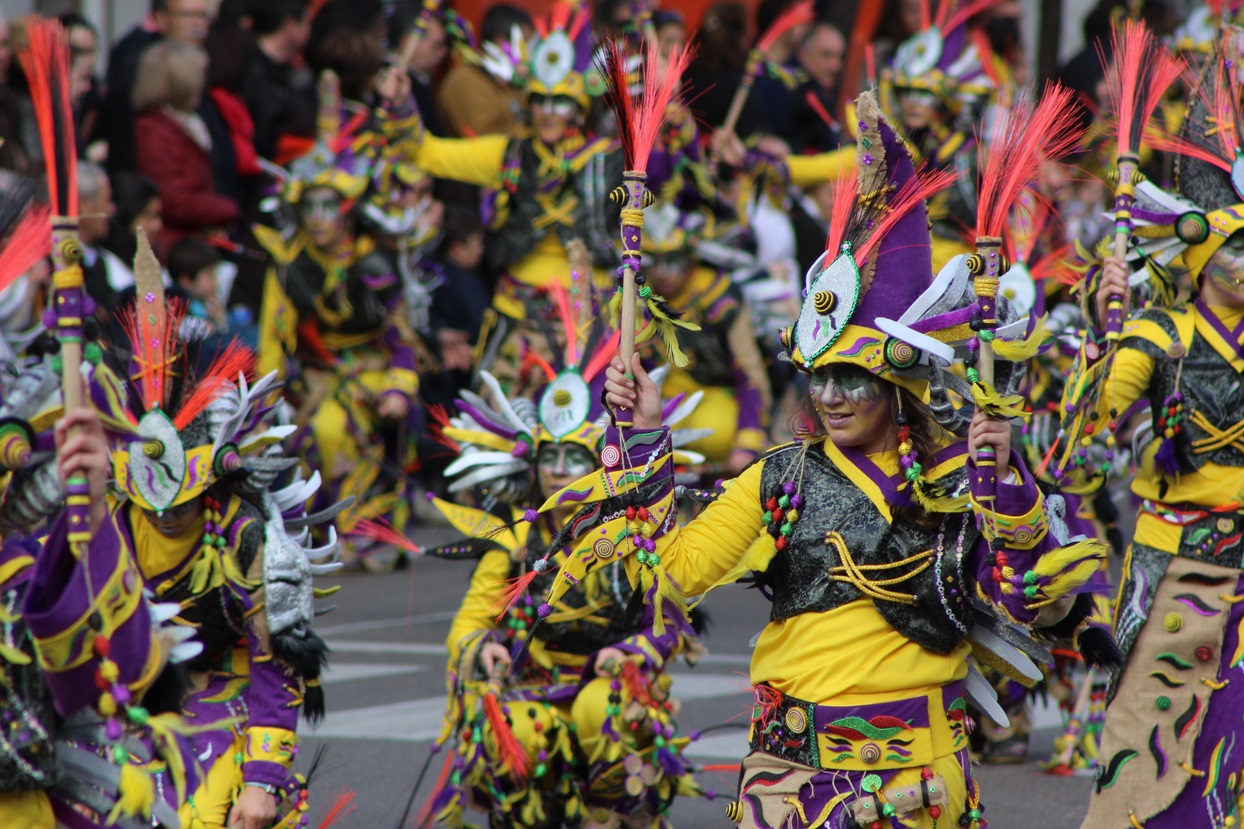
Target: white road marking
349, 671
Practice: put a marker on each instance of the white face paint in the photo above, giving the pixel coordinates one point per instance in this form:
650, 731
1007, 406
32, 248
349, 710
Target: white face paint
561, 464
854, 408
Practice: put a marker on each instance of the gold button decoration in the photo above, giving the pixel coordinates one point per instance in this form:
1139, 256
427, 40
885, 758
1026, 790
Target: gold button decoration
1176, 350
603, 548
561, 397
1173, 622
870, 753
1225, 525
734, 811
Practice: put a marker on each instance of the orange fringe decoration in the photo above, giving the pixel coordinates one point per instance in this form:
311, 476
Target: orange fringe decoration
381, 530
1141, 71
29, 242
235, 359
46, 62
515, 588
343, 804
511, 750
905, 200
153, 334
1024, 141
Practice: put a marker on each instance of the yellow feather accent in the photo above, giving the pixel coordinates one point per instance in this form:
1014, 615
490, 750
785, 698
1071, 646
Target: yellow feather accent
756, 559
615, 310
478, 438
1063, 570
1016, 351
666, 595
137, 794
987, 399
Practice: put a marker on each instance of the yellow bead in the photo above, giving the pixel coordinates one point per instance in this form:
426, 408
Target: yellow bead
107, 704
109, 670
792, 515
1086, 441
1173, 622
1168, 434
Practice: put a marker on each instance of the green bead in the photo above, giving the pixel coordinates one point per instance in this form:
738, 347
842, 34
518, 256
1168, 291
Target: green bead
541, 769
138, 715
786, 528
1030, 592
768, 517
888, 810
477, 736
1163, 703
237, 758
985, 336
659, 742
120, 754
973, 375
645, 292
654, 559
974, 814
784, 501
1030, 577
642, 556
220, 541
92, 354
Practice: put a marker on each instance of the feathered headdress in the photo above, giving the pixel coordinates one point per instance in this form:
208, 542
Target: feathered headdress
877, 261
944, 58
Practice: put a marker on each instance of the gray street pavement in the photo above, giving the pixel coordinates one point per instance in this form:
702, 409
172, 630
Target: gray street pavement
386, 692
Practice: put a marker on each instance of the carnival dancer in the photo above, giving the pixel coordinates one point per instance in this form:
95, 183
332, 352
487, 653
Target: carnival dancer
878, 521
549, 186
723, 360
579, 729
1170, 750
335, 320
201, 519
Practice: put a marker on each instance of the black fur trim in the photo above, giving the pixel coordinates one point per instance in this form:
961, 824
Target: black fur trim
168, 692
307, 654
1099, 649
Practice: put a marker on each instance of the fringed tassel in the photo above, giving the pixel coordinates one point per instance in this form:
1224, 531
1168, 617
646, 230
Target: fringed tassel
1166, 458
511, 751
662, 595
343, 804
136, 794
931, 501
1017, 351
989, 401
1061, 571
516, 588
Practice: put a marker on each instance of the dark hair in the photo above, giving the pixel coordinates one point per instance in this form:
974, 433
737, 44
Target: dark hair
159, 6
355, 56
226, 42
73, 20
499, 20
925, 432
461, 223
721, 41
190, 255
267, 16
131, 193
403, 17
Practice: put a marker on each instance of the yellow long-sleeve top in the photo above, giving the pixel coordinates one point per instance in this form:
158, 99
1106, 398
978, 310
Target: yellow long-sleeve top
481, 161
1132, 375
808, 170
845, 654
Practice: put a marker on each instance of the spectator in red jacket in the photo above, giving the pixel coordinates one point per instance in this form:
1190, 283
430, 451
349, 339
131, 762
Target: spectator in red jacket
173, 143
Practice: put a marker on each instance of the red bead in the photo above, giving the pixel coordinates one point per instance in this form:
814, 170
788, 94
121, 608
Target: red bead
538, 726
876, 824
101, 647
630, 513
926, 773
935, 812
643, 514
1088, 429
997, 575
777, 516
1002, 559
771, 504
1204, 654
780, 543
101, 683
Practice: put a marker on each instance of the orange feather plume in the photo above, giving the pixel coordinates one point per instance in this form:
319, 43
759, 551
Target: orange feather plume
237, 358
602, 356
515, 589
843, 192
513, 755
343, 804
47, 65
910, 196
1027, 138
640, 121
29, 242
1141, 70
381, 530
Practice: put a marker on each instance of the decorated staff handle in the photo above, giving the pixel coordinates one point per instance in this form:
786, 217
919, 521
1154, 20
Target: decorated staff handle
634, 196
986, 266
750, 72
1126, 176
71, 306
